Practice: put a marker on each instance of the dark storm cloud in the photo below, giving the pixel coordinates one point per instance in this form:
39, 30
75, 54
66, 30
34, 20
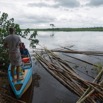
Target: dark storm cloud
58, 3
95, 3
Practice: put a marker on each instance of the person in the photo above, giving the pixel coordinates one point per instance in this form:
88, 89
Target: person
24, 51
12, 42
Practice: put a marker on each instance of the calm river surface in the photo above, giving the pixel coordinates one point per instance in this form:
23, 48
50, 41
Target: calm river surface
80, 40
50, 90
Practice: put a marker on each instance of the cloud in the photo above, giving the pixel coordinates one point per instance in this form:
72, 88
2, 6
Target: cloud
95, 3
56, 4
38, 19
61, 13
35, 20
38, 5
68, 3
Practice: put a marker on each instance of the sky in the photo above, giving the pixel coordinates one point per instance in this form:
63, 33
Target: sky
61, 13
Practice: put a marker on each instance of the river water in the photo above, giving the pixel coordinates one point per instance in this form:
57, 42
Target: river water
48, 89
80, 40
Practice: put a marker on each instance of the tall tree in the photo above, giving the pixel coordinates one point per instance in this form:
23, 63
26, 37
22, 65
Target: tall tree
52, 25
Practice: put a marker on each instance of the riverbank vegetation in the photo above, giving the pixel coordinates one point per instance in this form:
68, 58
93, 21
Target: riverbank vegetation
69, 29
5, 23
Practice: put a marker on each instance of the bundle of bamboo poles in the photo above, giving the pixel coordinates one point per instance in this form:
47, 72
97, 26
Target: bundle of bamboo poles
66, 75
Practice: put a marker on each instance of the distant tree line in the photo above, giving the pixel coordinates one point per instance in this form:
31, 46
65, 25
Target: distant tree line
70, 29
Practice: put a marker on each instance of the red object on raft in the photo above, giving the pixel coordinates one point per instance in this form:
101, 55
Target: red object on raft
26, 60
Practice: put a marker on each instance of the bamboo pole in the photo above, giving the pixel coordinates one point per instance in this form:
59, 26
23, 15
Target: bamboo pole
89, 91
78, 52
59, 59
